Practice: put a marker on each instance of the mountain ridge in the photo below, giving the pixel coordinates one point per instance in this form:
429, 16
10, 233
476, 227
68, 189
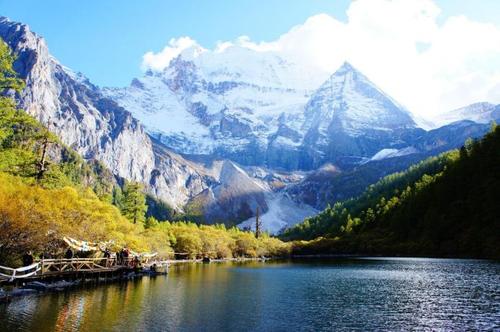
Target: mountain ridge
242, 127
262, 137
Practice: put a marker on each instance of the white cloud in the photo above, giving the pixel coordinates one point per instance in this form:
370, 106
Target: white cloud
160, 60
429, 67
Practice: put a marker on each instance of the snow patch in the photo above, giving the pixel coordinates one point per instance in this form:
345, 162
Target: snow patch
478, 112
283, 212
391, 153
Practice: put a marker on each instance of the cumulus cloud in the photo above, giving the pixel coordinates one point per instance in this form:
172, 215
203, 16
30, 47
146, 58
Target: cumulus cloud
429, 67
160, 60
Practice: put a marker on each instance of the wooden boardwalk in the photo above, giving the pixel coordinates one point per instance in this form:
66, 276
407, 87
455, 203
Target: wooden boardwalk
50, 267
73, 267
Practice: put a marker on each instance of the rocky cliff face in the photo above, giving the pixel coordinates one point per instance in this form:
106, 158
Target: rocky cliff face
93, 125
98, 128
329, 136
75, 110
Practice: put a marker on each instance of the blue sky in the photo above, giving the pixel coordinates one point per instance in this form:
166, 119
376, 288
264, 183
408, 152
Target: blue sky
107, 39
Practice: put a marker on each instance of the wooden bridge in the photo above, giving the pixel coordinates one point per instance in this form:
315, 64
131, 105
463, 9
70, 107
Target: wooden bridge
75, 266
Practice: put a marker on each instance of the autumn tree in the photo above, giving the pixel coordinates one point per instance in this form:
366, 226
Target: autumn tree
189, 244
150, 222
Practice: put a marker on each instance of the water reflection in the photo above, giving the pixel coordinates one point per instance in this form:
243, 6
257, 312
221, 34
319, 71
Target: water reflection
362, 294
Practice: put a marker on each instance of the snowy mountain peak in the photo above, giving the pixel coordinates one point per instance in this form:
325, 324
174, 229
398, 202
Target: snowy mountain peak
482, 112
348, 72
349, 100
238, 104
349, 118
348, 79
258, 108
345, 69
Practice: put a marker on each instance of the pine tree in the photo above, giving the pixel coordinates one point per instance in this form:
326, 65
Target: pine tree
23, 140
469, 144
493, 126
42, 163
134, 203
118, 198
8, 76
258, 224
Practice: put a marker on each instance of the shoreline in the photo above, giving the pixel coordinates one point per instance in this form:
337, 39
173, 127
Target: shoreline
223, 260
10, 291
40, 287
21, 288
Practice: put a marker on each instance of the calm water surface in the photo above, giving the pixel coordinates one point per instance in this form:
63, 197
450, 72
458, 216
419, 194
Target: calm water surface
340, 294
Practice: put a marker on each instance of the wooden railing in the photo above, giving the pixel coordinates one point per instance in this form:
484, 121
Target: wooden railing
61, 266
64, 266
19, 273
58, 266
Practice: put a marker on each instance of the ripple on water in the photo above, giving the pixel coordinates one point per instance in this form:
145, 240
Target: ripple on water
352, 294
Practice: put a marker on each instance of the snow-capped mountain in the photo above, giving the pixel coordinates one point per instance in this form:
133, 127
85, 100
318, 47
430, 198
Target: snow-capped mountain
478, 112
259, 109
350, 102
348, 119
217, 135
228, 103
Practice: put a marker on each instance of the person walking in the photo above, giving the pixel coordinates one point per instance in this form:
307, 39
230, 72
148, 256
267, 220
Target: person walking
119, 257
107, 256
69, 254
125, 255
28, 258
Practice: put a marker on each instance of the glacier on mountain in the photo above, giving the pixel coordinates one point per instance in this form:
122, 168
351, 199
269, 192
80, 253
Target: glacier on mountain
205, 100
259, 109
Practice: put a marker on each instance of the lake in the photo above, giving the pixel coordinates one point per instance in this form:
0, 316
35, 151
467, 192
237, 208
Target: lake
312, 295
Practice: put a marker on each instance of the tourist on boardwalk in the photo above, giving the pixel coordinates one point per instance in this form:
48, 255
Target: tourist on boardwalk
107, 256
28, 258
69, 254
125, 255
119, 257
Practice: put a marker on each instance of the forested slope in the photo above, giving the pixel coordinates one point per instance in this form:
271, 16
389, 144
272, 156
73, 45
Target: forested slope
444, 206
346, 213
